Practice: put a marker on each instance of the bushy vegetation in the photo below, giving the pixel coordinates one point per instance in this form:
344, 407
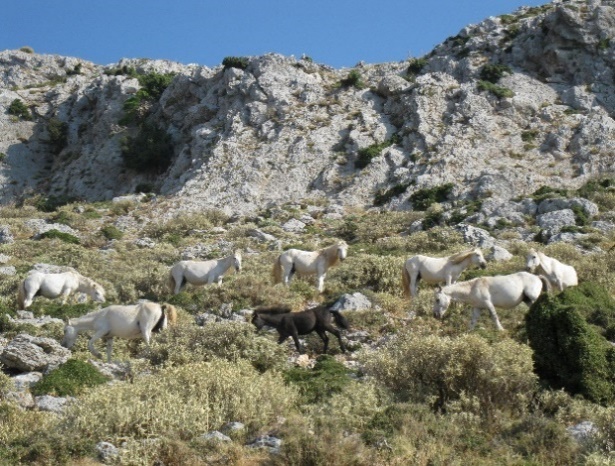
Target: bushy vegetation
235, 62
19, 109
58, 134
150, 150
366, 154
498, 91
60, 235
70, 379
425, 197
353, 79
566, 332
492, 72
415, 66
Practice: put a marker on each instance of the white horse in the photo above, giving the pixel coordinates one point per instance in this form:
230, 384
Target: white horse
133, 321
53, 285
560, 275
437, 270
202, 272
503, 291
317, 262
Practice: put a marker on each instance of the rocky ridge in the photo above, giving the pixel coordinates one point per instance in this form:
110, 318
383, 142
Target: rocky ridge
286, 129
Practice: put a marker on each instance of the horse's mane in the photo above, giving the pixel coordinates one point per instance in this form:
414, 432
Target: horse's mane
273, 310
330, 253
460, 256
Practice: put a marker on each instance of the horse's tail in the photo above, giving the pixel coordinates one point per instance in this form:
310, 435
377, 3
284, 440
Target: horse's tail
340, 320
171, 313
21, 295
277, 270
546, 284
405, 281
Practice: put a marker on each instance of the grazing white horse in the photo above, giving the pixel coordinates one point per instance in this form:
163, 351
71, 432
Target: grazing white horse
437, 270
53, 285
202, 272
560, 275
503, 291
133, 321
317, 262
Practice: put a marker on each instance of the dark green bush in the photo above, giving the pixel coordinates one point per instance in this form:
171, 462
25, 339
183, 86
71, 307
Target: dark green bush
423, 198
566, 333
365, 155
384, 196
70, 379
353, 80
546, 192
152, 87
58, 134
112, 232
317, 384
19, 109
150, 150
498, 91
51, 203
235, 62
415, 66
65, 237
589, 189
492, 72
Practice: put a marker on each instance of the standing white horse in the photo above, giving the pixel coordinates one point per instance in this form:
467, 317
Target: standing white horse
503, 291
202, 272
53, 285
133, 321
560, 275
437, 270
317, 262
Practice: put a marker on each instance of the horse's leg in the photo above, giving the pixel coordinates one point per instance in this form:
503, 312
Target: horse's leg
321, 282
295, 335
109, 348
325, 339
330, 328
97, 336
414, 282
288, 273
494, 316
475, 317
179, 281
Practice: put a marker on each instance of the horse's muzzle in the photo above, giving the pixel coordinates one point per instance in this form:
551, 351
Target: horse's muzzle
483, 266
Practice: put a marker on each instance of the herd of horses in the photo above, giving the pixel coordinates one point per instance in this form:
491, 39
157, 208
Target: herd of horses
140, 320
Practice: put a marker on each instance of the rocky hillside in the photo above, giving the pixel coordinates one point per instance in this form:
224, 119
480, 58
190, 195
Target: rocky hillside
509, 105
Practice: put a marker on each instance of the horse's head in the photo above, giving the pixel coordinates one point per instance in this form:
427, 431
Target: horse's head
237, 261
97, 293
532, 261
342, 250
70, 336
441, 303
257, 321
478, 258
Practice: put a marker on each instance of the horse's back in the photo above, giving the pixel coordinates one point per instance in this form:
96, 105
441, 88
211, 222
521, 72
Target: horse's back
507, 291
431, 269
122, 320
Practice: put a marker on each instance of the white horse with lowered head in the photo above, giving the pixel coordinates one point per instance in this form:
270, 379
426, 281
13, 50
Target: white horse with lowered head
503, 291
438, 270
133, 321
316, 263
202, 272
53, 285
560, 275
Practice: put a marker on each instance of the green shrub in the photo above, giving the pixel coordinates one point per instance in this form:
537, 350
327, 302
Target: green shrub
366, 154
566, 333
529, 135
27, 49
235, 62
70, 379
227, 340
51, 203
443, 369
353, 80
492, 72
60, 235
415, 66
58, 134
19, 109
546, 192
112, 232
498, 91
151, 150
181, 402
327, 377
384, 196
423, 198
375, 272
137, 106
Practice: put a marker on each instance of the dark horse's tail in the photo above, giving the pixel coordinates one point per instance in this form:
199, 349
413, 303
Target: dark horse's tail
340, 320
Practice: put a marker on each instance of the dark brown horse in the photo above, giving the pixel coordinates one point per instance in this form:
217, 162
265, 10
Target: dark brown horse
292, 324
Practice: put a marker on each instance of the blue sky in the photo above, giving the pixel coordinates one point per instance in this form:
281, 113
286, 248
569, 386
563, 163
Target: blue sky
339, 33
